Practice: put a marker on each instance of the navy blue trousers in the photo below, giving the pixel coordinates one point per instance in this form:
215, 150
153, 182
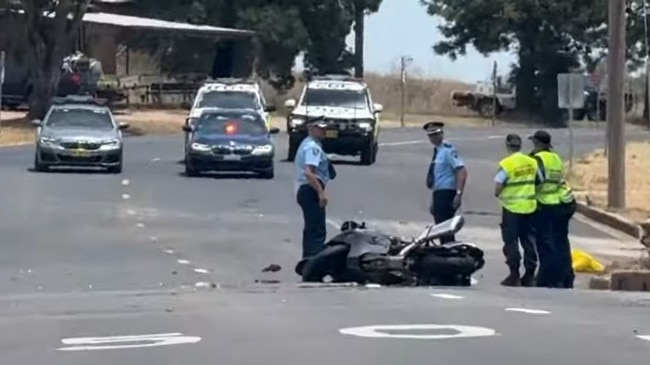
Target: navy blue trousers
314, 232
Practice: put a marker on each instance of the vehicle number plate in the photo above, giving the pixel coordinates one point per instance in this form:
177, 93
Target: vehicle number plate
232, 157
331, 134
80, 153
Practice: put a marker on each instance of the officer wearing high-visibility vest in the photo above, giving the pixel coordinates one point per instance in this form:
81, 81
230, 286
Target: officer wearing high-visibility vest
515, 189
568, 207
548, 210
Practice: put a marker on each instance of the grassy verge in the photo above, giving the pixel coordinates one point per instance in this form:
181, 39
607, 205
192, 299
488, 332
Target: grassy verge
589, 176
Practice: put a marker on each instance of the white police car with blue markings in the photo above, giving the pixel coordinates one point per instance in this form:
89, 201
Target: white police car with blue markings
352, 117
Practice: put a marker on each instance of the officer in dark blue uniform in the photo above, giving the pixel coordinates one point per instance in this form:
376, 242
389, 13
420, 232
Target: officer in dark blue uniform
446, 177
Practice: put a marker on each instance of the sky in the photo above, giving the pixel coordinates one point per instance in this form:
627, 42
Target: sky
403, 27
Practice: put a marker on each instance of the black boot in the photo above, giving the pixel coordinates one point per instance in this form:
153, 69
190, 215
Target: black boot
528, 280
512, 279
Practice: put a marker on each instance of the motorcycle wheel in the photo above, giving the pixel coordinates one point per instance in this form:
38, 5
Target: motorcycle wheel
329, 261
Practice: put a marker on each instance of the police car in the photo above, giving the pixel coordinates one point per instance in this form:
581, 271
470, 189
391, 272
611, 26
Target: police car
352, 117
228, 93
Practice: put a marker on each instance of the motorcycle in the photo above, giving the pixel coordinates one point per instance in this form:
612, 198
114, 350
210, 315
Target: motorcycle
362, 255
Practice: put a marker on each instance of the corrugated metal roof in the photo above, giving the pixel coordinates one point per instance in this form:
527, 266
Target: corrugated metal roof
128, 21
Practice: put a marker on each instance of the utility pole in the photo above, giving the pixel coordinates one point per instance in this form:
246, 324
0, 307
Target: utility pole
3, 56
404, 61
615, 105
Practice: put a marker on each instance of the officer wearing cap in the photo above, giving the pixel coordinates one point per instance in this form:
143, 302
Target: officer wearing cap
515, 189
446, 177
313, 172
548, 211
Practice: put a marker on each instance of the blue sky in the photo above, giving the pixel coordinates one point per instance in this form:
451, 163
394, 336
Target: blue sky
402, 27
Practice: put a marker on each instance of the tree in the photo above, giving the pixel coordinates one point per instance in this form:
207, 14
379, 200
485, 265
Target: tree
361, 9
549, 36
51, 28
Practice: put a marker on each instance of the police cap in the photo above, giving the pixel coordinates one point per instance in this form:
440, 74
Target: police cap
513, 140
318, 122
542, 137
433, 128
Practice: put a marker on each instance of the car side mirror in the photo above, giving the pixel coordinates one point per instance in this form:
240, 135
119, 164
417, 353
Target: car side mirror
270, 108
186, 105
291, 103
274, 130
123, 125
187, 128
378, 108
37, 122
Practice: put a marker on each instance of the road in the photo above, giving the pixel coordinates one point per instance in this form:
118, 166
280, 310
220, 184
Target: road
153, 252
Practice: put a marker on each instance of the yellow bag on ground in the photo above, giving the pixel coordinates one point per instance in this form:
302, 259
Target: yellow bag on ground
585, 263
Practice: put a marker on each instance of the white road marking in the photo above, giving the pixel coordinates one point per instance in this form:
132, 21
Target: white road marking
126, 196
403, 143
494, 137
171, 252
374, 331
333, 223
125, 182
373, 286
644, 337
183, 262
102, 343
529, 311
446, 296
131, 212
156, 159
153, 238
201, 271
140, 225
473, 281
202, 284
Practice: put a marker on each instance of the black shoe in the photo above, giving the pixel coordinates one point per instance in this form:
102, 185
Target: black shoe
528, 280
511, 280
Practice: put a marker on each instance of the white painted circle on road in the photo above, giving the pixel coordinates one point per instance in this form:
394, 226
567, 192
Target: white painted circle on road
375, 331
118, 342
446, 296
529, 311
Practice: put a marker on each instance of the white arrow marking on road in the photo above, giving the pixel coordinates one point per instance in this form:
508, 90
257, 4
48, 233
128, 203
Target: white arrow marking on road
373, 331
100, 343
446, 296
644, 337
529, 311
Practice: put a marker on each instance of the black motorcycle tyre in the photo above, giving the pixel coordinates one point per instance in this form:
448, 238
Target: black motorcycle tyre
330, 261
449, 270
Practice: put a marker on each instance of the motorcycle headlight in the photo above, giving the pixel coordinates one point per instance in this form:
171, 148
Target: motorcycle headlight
263, 150
200, 147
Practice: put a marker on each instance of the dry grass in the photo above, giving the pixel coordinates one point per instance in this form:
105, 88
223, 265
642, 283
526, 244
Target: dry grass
590, 176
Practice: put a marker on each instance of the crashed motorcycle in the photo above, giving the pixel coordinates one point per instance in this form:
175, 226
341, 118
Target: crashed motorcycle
362, 255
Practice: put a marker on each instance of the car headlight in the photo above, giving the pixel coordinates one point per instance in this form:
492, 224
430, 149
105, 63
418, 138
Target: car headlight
365, 125
111, 142
263, 150
294, 122
200, 147
49, 141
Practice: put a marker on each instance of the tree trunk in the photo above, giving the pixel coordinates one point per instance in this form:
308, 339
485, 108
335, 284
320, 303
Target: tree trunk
48, 40
359, 33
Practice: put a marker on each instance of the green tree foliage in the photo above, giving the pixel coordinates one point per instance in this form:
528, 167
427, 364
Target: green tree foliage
548, 36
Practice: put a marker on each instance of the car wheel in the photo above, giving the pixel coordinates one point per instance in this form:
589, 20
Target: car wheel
190, 170
38, 166
368, 153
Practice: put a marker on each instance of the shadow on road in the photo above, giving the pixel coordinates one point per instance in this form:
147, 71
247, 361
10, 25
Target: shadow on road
223, 176
65, 170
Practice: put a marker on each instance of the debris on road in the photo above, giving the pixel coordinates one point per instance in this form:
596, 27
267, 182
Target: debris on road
272, 268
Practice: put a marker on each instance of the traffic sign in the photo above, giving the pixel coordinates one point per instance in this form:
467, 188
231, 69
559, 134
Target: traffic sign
570, 91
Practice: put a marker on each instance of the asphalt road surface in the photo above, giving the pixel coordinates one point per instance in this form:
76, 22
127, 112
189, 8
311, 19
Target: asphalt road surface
174, 264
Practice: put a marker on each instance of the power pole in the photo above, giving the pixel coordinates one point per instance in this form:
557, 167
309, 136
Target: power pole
404, 60
615, 105
3, 56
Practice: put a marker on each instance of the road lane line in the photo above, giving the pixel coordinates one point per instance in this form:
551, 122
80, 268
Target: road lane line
528, 311
446, 296
201, 271
183, 262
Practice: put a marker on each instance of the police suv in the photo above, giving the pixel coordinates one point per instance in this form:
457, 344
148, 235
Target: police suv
352, 117
228, 93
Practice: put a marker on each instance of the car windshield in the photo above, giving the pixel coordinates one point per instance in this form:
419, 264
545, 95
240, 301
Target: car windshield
80, 118
228, 100
231, 123
336, 97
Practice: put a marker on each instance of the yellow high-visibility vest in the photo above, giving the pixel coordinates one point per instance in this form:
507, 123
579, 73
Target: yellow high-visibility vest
518, 194
550, 193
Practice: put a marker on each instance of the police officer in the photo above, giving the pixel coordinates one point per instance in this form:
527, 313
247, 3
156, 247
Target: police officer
516, 182
446, 177
313, 171
567, 208
548, 209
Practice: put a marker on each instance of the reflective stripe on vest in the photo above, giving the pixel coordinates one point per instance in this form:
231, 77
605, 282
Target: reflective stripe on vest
518, 194
550, 192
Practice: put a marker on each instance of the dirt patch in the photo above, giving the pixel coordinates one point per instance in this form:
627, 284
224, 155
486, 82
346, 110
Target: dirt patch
150, 122
16, 129
589, 176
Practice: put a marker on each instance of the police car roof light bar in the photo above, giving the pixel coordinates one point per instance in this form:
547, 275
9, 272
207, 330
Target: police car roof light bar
79, 99
336, 77
228, 81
